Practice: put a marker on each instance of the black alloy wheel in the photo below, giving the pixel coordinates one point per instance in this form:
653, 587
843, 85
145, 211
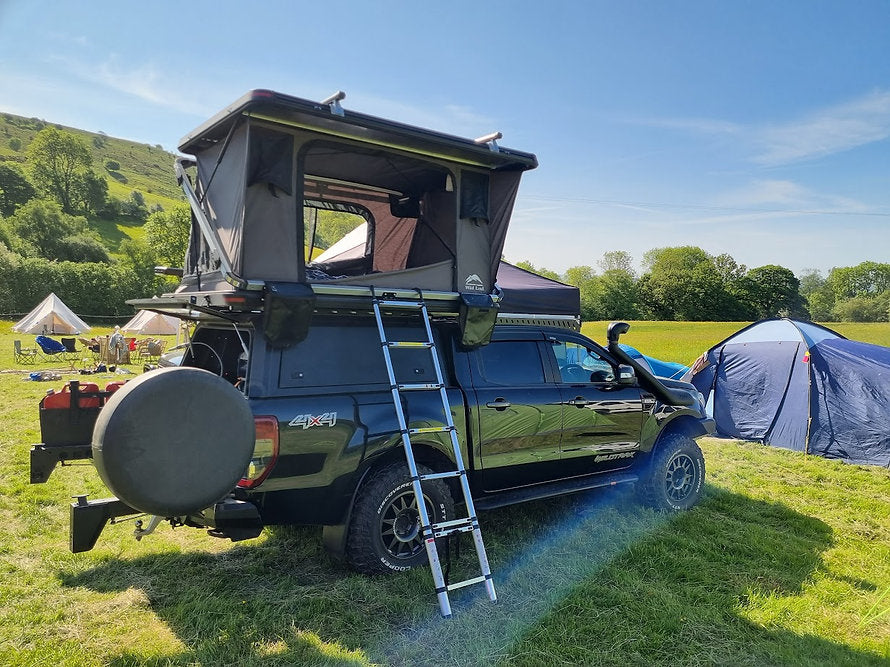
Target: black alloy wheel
384, 532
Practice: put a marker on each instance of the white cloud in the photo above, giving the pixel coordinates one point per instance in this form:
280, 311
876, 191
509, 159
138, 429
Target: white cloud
787, 194
146, 82
839, 128
834, 129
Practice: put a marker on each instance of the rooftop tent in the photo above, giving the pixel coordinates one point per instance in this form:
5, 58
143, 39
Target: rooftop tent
148, 323
51, 316
800, 386
437, 206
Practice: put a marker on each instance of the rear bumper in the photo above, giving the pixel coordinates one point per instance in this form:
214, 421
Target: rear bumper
88, 518
234, 519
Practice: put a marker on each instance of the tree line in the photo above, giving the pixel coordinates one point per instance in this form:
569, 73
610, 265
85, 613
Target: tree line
687, 283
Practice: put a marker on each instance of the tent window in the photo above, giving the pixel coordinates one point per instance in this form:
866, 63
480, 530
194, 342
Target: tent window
271, 159
326, 224
473, 195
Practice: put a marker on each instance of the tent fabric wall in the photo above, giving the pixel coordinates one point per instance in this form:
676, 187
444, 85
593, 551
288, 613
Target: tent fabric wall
821, 393
851, 402
51, 316
526, 292
148, 323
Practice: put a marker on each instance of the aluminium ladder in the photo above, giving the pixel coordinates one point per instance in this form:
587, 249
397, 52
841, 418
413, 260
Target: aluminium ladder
432, 530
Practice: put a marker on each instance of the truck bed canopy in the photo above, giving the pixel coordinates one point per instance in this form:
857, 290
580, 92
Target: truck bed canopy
437, 206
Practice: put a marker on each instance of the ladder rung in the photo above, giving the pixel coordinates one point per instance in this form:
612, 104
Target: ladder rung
442, 475
446, 532
429, 429
419, 386
454, 523
466, 582
401, 304
418, 345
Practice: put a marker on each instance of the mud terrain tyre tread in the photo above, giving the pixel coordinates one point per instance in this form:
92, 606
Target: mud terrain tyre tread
365, 550
673, 479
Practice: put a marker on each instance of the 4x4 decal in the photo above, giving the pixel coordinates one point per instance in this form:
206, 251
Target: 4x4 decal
308, 421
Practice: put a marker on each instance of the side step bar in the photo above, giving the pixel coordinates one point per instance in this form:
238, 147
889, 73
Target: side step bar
553, 489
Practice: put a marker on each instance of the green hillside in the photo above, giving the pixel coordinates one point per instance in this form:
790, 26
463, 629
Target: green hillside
143, 168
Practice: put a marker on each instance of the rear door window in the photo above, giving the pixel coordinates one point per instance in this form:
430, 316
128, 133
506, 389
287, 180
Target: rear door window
511, 363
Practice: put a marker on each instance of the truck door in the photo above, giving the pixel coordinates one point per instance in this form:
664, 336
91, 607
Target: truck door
602, 419
517, 416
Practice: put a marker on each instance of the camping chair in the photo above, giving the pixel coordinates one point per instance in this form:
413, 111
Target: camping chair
156, 349
91, 345
71, 351
23, 355
52, 348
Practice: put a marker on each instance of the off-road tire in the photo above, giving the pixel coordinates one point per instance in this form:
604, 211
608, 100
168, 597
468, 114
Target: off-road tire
383, 509
674, 477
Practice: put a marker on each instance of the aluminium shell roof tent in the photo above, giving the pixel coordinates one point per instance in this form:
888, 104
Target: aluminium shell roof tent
438, 206
800, 386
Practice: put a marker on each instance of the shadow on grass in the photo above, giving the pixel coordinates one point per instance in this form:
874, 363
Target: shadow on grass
592, 579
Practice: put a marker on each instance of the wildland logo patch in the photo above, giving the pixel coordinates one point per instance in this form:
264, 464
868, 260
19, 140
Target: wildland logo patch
473, 283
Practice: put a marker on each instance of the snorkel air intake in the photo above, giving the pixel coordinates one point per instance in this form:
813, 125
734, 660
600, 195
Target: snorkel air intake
647, 380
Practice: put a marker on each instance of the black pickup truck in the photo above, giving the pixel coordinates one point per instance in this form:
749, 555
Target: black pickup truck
281, 410
540, 411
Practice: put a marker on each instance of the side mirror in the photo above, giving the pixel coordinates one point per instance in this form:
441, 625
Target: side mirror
626, 374
615, 330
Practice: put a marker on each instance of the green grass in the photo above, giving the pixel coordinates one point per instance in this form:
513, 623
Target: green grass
786, 561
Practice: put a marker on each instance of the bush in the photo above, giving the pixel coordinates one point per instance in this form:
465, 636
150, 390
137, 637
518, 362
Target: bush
863, 308
15, 144
88, 288
82, 248
112, 165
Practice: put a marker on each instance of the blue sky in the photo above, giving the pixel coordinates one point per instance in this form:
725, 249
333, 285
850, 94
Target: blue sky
759, 129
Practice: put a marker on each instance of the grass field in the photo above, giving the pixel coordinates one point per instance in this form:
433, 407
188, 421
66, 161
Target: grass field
685, 341
786, 561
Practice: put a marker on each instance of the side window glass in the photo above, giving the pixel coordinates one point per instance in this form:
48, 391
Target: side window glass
511, 363
580, 364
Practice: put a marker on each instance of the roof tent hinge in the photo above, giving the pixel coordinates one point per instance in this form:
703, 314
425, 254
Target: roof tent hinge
334, 103
491, 140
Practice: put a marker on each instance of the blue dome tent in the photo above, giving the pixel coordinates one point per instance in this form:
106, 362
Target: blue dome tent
663, 369
800, 386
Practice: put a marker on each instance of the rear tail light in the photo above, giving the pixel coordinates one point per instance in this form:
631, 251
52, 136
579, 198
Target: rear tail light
265, 452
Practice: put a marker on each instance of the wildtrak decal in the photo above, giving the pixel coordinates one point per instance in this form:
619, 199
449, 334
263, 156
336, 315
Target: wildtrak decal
613, 457
308, 421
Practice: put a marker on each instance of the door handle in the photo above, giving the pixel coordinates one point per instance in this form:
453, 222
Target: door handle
498, 404
579, 402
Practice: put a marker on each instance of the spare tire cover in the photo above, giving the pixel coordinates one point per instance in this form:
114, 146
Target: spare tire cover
173, 441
